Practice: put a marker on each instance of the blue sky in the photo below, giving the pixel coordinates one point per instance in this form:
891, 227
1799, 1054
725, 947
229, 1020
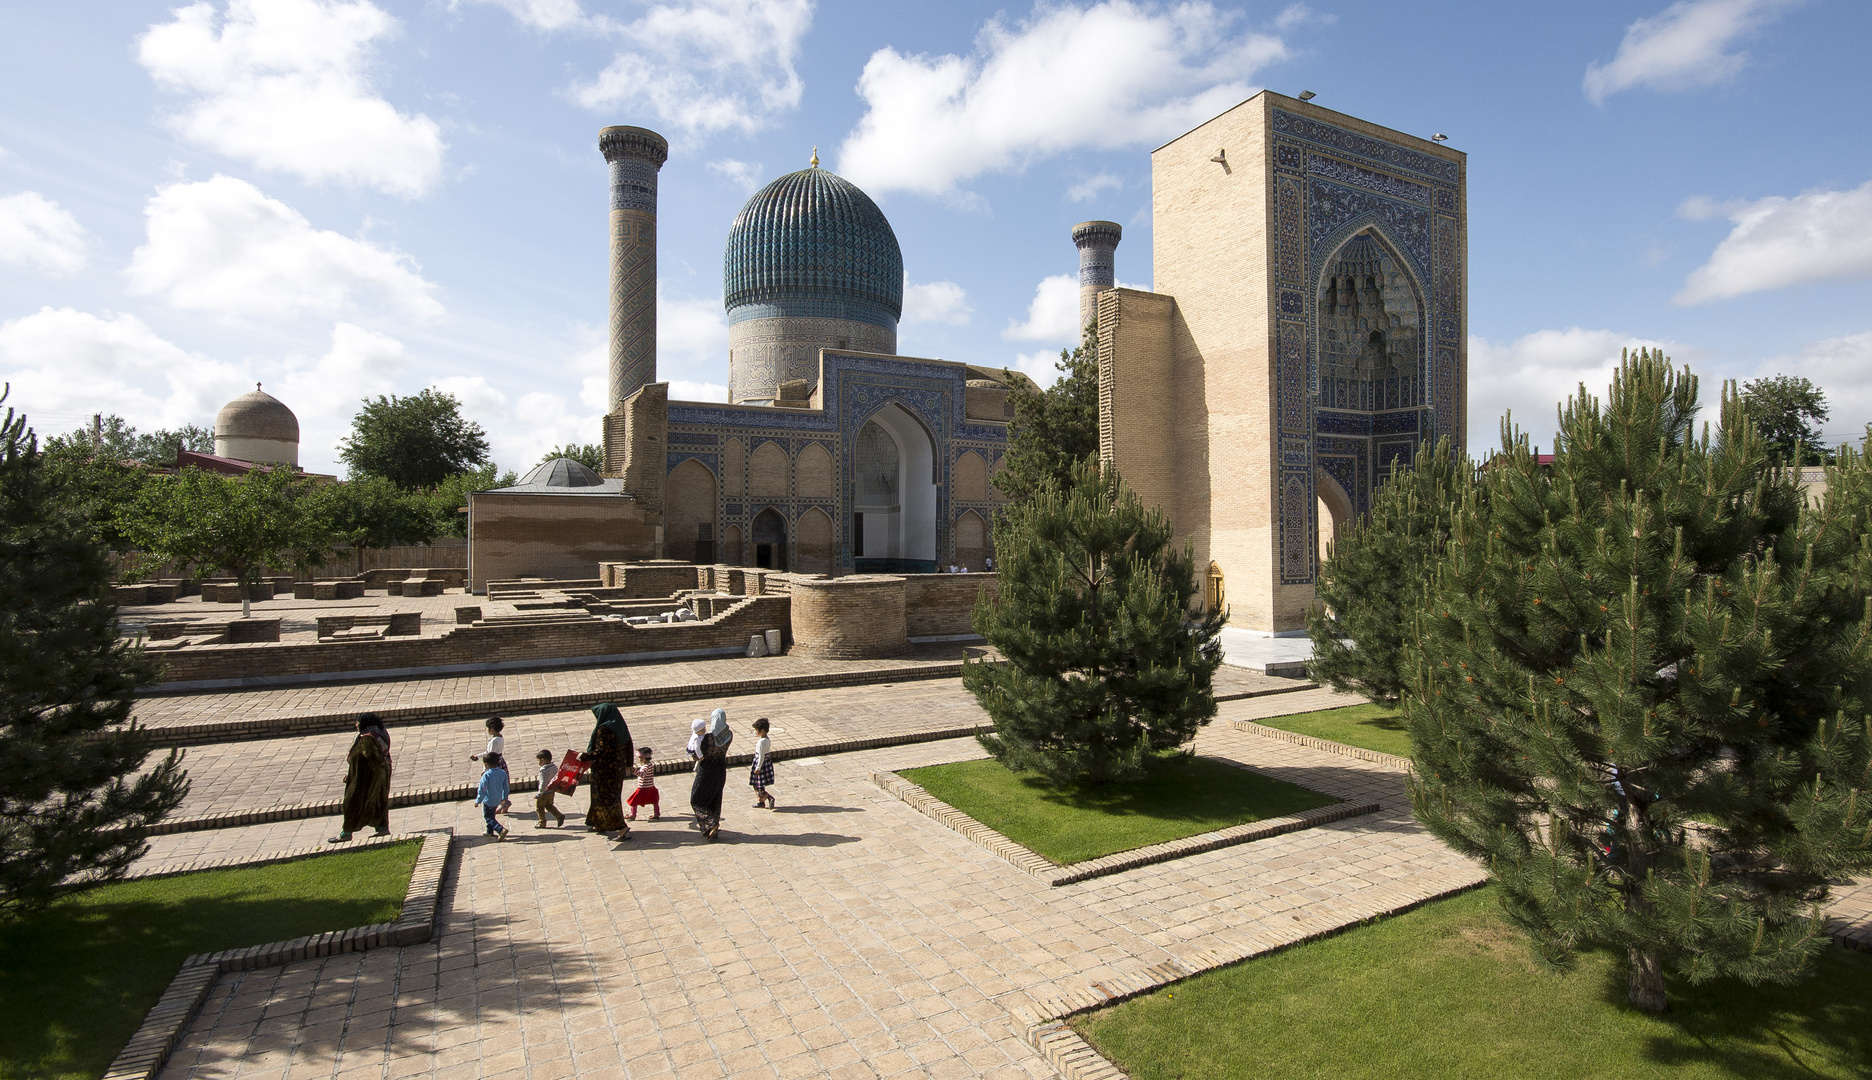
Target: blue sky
351, 198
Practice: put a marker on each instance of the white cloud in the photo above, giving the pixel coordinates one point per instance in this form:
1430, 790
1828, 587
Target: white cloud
1532, 375
326, 391
685, 390
285, 84
551, 14
1117, 74
1777, 242
743, 174
706, 65
1841, 366
37, 232
65, 362
1052, 315
692, 338
936, 302
1296, 15
223, 247
1088, 189
1686, 45
1042, 367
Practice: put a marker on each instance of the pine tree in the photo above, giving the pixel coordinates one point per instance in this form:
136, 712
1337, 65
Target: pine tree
1056, 428
1639, 689
1375, 574
70, 811
1105, 661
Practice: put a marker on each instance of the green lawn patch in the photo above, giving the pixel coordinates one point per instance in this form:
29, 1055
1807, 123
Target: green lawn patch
80, 975
1181, 797
1373, 727
1452, 990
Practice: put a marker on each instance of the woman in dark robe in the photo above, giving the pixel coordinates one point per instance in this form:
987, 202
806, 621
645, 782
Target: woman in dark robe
711, 772
609, 754
367, 780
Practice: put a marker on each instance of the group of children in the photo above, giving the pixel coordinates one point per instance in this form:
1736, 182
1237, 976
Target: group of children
493, 793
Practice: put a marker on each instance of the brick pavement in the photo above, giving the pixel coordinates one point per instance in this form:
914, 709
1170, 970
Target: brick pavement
844, 935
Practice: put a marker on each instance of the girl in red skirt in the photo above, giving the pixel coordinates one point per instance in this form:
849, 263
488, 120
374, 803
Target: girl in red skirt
646, 793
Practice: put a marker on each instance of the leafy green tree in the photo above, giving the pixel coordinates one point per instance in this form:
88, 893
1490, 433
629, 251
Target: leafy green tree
416, 441
92, 490
208, 522
448, 501
590, 455
1639, 689
1105, 658
73, 807
372, 512
116, 440
1056, 428
1786, 410
1375, 573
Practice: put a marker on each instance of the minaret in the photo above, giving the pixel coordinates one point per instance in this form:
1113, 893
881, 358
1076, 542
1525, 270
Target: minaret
635, 154
1097, 242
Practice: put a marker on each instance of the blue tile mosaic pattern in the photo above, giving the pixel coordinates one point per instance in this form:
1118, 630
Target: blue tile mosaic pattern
810, 238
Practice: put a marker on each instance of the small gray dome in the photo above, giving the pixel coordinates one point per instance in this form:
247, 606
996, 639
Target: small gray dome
257, 415
561, 472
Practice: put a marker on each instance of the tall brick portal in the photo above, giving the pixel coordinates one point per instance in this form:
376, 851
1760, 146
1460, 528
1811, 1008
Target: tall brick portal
1098, 245
634, 154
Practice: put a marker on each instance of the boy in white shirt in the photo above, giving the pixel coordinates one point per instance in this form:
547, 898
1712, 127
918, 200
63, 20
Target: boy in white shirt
497, 748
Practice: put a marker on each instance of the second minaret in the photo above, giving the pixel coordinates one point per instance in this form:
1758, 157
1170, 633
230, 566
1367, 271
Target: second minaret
634, 154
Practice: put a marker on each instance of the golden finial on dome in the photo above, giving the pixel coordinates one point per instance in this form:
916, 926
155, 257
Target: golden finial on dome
815, 157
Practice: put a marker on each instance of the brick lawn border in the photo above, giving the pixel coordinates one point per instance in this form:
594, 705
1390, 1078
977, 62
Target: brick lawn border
231, 819
164, 736
1390, 761
143, 1056
1039, 866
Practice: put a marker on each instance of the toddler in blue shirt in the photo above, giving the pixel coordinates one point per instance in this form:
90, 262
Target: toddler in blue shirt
492, 793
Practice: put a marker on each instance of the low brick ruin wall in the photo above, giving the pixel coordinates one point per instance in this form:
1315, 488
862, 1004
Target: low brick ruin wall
943, 605
858, 617
469, 647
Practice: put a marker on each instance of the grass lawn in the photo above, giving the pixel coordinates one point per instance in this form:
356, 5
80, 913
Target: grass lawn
1373, 727
1451, 990
1181, 797
79, 976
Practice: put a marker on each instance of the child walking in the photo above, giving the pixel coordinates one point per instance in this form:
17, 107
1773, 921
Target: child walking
646, 793
543, 802
492, 794
760, 774
497, 746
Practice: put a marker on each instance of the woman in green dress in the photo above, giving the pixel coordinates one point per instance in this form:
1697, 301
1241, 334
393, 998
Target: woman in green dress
367, 780
609, 754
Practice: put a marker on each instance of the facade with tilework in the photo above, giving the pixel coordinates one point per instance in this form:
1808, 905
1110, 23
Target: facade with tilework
1306, 330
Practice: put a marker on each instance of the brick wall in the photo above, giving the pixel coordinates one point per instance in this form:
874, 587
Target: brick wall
858, 617
942, 604
651, 580
466, 645
553, 536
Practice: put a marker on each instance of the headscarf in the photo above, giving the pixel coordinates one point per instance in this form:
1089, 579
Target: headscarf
609, 717
695, 738
371, 724
718, 729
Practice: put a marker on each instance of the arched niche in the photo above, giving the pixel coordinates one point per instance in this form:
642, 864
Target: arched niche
1372, 351
813, 472
731, 545
971, 478
733, 465
1335, 509
769, 540
689, 513
767, 471
894, 492
813, 549
971, 541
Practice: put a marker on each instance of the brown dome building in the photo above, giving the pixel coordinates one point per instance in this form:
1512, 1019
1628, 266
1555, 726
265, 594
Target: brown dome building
257, 427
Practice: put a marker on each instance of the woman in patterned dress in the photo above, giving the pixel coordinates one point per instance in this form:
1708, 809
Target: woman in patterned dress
711, 774
609, 755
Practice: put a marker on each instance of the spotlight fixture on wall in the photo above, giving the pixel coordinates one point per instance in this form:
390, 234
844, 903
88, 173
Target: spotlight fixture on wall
1307, 95
1439, 138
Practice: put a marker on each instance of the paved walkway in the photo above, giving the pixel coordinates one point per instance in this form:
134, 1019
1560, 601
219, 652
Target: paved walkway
843, 935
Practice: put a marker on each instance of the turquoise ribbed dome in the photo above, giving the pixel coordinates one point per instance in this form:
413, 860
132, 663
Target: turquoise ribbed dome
812, 244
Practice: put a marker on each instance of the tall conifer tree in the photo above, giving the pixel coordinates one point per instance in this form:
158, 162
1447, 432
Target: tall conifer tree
1375, 574
1106, 661
1639, 689
72, 807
